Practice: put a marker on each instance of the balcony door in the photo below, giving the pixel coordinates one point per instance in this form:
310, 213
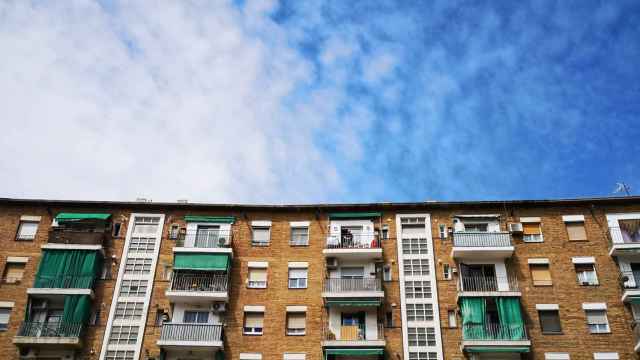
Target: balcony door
207, 236
479, 277
195, 317
350, 236
353, 326
635, 271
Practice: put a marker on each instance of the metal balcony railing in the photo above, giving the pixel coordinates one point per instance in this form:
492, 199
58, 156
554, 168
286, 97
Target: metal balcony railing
623, 236
488, 283
497, 332
49, 329
353, 241
199, 283
205, 239
348, 285
481, 239
630, 280
191, 332
353, 333
80, 237
64, 282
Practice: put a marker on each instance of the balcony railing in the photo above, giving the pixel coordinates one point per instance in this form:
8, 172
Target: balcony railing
622, 236
191, 332
50, 329
630, 280
199, 283
481, 239
64, 282
79, 237
488, 283
348, 285
353, 241
354, 333
205, 239
491, 332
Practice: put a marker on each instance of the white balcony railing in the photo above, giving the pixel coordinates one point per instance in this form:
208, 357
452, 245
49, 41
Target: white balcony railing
191, 332
481, 239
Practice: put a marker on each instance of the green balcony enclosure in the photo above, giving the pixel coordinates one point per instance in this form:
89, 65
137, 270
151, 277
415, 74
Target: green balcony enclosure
75, 315
68, 269
201, 261
492, 319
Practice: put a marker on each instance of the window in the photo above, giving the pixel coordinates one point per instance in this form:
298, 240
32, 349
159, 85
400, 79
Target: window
452, 318
532, 232
134, 288
296, 323
5, 314
95, 317
195, 317
299, 236
605, 356
352, 272
146, 225
419, 312
174, 231
120, 355
416, 267
446, 272
476, 227
142, 244
13, 272
257, 278
116, 229
597, 321
388, 319
586, 274
423, 356
576, 231
105, 273
123, 335
415, 246
128, 310
417, 289
297, 278
550, 321
137, 266
253, 323
295, 356
421, 336
250, 356
540, 274
443, 231
556, 356
27, 230
261, 235
167, 271
385, 232
386, 273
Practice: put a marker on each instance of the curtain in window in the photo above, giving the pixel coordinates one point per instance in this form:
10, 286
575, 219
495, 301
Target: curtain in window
511, 323
68, 269
473, 318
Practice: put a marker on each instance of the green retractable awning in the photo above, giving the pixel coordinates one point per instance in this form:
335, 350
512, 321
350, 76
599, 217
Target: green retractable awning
197, 261
210, 219
363, 352
353, 302
355, 215
515, 349
81, 216
634, 299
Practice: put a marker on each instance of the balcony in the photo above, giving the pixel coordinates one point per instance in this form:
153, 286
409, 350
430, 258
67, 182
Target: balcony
630, 284
353, 288
43, 334
84, 237
52, 286
624, 242
213, 241
198, 287
353, 246
191, 337
498, 337
482, 245
354, 336
479, 285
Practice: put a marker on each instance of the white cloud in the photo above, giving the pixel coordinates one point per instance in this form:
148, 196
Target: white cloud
184, 101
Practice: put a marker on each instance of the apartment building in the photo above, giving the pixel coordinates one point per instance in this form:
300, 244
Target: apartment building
553, 279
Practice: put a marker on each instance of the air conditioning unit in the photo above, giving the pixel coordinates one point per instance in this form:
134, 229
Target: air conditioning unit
515, 228
218, 307
332, 263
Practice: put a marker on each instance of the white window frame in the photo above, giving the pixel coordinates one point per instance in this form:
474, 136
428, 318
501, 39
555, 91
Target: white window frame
538, 238
29, 237
260, 225
299, 282
252, 330
420, 312
296, 331
597, 328
410, 287
8, 308
421, 336
257, 265
298, 225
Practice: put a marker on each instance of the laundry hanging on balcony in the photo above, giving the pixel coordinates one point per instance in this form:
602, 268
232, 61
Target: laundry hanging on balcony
68, 269
197, 261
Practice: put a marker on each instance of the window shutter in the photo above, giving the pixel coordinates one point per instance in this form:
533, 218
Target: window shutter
576, 231
261, 234
257, 274
4, 316
531, 228
540, 274
596, 316
297, 273
253, 320
296, 321
14, 272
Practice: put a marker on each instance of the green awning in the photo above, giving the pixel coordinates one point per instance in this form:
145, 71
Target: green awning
354, 352
353, 302
634, 299
355, 215
210, 219
498, 349
81, 216
198, 261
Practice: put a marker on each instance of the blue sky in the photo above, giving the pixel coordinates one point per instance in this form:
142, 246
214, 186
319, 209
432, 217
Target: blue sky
309, 101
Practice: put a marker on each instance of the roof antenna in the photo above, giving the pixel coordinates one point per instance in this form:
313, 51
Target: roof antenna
622, 187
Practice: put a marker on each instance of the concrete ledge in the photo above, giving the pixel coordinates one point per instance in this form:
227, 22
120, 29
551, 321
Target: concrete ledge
44, 292
190, 345
367, 253
55, 246
496, 343
624, 249
482, 252
183, 296
353, 294
219, 250
354, 343
38, 341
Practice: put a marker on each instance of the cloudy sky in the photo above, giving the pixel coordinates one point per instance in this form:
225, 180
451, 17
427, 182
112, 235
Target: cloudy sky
309, 101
